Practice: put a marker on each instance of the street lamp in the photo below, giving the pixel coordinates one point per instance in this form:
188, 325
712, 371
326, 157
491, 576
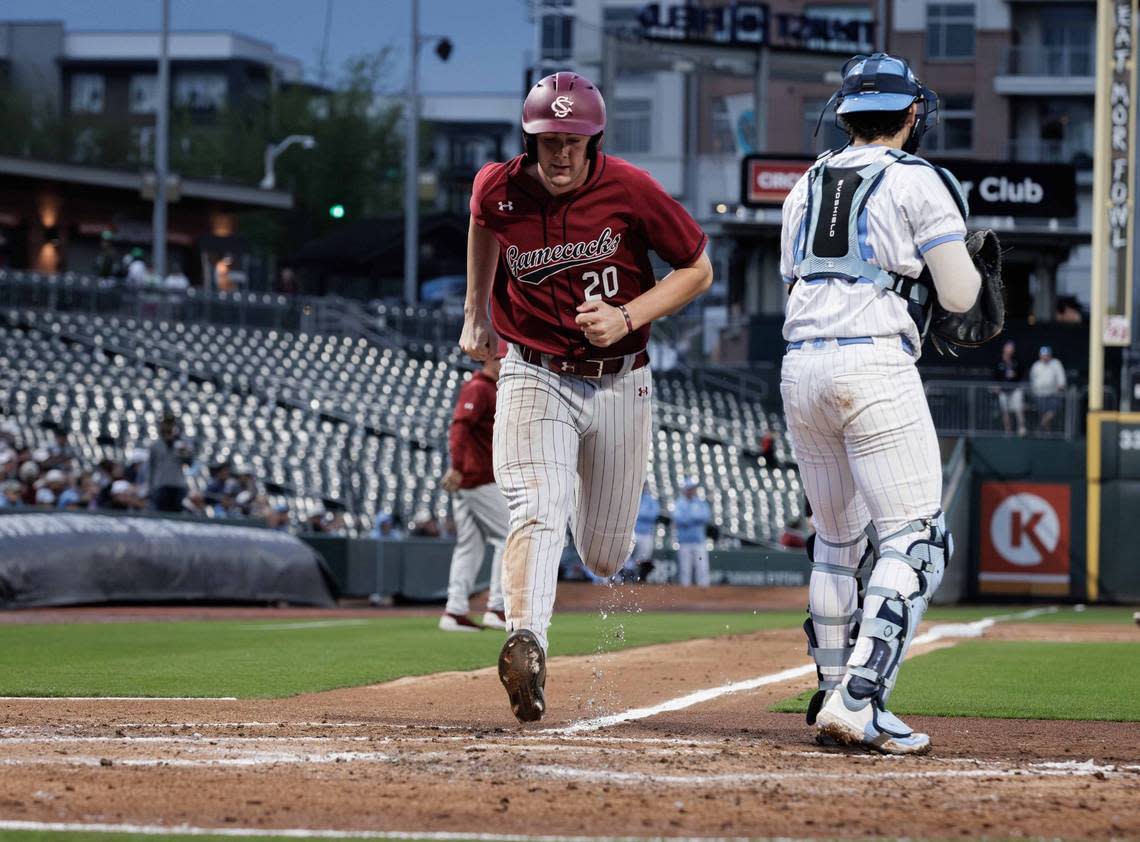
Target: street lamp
269, 181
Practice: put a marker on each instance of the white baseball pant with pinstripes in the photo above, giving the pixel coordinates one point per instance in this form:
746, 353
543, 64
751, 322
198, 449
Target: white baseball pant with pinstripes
567, 450
480, 519
867, 452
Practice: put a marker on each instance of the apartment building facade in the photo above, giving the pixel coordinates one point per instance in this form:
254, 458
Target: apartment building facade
694, 88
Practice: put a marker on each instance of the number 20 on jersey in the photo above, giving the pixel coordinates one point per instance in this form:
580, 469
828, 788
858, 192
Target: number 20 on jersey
607, 280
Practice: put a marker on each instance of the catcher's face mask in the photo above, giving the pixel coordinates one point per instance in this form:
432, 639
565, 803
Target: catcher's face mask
882, 82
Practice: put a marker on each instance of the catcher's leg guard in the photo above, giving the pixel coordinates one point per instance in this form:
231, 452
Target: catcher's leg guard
909, 565
838, 577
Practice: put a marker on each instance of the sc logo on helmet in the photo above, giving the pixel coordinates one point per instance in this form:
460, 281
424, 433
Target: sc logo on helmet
562, 106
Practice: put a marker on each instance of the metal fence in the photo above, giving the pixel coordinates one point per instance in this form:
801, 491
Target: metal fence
970, 408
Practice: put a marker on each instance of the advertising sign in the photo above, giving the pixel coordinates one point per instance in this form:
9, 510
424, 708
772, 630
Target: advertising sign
1025, 529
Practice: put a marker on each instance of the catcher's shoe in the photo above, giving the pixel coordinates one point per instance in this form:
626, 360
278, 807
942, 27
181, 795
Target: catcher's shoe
522, 670
495, 620
862, 722
458, 623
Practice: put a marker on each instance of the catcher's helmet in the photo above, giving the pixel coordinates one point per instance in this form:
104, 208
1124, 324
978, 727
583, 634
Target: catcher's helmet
882, 82
564, 102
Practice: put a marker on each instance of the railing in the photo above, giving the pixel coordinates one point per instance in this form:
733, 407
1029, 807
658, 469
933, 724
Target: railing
965, 408
1065, 61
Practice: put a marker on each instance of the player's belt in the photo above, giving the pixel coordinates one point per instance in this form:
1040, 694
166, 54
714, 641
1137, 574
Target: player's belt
581, 368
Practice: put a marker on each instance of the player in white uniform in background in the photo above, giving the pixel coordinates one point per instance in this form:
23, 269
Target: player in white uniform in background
858, 230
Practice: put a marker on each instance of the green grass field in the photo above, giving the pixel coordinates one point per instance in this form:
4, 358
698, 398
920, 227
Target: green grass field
1017, 680
275, 659
267, 659
112, 836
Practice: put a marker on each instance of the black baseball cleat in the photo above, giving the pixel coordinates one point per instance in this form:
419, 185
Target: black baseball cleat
522, 670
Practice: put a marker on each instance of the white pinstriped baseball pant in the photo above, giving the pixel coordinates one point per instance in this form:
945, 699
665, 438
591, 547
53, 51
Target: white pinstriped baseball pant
480, 519
867, 451
567, 451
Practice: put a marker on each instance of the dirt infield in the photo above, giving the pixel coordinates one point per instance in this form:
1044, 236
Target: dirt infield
442, 753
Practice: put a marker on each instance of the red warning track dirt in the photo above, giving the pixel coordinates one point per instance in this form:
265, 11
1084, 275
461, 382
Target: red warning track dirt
443, 753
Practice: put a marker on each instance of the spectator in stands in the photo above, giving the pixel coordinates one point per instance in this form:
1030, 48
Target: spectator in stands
223, 274
125, 497
690, 521
164, 470
56, 481
107, 260
135, 469
29, 473
768, 449
794, 536
640, 563
176, 280
1011, 395
1068, 310
60, 452
138, 272
424, 525
44, 496
278, 517
219, 476
386, 528
1047, 383
13, 495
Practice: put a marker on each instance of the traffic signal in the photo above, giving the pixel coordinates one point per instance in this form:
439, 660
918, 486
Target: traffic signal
336, 211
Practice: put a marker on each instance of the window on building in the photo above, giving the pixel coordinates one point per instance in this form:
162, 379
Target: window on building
1068, 36
830, 135
87, 93
955, 129
143, 93
200, 91
950, 30
629, 125
557, 36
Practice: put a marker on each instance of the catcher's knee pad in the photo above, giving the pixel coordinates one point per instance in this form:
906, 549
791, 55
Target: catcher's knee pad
909, 564
839, 574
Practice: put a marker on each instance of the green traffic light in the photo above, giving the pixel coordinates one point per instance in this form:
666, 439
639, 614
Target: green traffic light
337, 211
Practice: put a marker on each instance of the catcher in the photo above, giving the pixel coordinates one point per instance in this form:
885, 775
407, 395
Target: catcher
875, 253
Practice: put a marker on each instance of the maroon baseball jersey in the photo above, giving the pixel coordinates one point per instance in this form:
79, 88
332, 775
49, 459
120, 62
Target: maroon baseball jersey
555, 252
472, 425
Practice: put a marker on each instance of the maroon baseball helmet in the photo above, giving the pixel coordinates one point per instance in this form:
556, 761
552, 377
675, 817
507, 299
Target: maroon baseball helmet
564, 102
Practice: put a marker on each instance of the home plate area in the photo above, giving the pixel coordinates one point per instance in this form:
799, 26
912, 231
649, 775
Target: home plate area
441, 756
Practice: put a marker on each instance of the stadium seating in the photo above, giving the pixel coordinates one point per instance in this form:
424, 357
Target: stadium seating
337, 418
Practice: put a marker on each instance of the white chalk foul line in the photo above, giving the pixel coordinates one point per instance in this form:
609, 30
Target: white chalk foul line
939, 632
321, 833
1070, 768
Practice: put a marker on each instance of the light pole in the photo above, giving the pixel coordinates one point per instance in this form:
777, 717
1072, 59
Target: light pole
161, 143
411, 155
269, 180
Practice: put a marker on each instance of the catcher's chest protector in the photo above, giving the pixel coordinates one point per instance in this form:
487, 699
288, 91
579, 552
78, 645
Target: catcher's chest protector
832, 240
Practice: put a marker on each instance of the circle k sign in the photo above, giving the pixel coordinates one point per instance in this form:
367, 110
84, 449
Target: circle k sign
1025, 532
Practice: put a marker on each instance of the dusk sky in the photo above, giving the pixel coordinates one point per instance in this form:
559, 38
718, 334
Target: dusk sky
492, 38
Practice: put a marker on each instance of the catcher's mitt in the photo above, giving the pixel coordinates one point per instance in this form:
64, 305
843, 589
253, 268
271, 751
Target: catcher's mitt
986, 318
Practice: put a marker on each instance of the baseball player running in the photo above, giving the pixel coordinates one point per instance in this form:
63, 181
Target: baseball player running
858, 230
559, 247
478, 506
